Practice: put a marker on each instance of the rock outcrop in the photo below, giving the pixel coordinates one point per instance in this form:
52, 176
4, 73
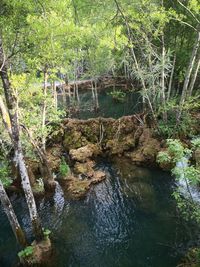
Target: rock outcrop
128, 136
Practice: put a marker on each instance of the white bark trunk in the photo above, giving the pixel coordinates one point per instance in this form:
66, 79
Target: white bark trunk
171, 78
44, 109
190, 67
8, 208
194, 77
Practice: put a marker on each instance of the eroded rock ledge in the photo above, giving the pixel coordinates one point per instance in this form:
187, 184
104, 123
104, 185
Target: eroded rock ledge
83, 141
124, 137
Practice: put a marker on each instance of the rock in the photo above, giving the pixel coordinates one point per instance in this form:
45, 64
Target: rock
54, 155
191, 259
118, 147
147, 149
41, 255
83, 153
98, 176
85, 168
78, 187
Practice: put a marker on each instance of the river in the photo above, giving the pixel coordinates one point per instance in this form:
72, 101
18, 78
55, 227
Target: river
128, 220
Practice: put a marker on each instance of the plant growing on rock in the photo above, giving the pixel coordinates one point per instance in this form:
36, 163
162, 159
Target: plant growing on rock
64, 169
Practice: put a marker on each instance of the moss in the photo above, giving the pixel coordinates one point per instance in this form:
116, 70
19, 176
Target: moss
72, 140
38, 187
192, 258
40, 254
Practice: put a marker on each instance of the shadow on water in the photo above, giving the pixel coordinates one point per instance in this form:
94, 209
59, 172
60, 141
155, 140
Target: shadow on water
127, 220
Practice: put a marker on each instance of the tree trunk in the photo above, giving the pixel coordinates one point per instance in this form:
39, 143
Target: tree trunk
13, 114
133, 55
189, 72
5, 117
46, 172
8, 208
93, 95
44, 108
96, 96
194, 76
55, 97
171, 79
163, 80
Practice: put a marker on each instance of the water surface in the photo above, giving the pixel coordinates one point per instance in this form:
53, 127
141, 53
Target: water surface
129, 220
107, 106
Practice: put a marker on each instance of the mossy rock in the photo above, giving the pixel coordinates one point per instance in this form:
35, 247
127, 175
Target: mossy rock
192, 258
74, 140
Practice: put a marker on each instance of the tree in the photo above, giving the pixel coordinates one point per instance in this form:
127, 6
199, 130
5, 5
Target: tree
12, 107
8, 208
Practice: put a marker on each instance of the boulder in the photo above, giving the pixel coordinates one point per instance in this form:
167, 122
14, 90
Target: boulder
82, 154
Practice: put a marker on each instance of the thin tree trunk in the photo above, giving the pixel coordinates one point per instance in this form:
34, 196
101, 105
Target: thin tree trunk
96, 96
188, 73
77, 94
163, 101
194, 76
5, 117
171, 79
8, 208
64, 96
55, 97
44, 108
46, 170
12, 110
93, 95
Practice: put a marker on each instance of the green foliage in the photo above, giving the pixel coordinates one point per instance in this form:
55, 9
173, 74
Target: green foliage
118, 95
64, 168
183, 170
5, 173
175, 152
46, 232
187, 123
196, 143
27, 252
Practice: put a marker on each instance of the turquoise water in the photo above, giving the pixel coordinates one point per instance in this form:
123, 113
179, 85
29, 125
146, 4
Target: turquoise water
107, 106
129, 220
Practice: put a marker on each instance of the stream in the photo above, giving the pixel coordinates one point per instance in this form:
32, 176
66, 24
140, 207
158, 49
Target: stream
127, 220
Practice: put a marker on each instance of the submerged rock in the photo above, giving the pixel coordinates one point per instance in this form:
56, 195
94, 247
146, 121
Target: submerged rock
78, 186
40, 254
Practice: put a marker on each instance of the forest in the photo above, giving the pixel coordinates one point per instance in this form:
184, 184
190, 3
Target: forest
100, 133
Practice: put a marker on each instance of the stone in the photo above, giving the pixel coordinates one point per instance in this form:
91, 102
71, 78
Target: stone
83, 153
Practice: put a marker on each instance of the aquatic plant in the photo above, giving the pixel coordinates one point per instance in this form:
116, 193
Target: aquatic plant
118, 95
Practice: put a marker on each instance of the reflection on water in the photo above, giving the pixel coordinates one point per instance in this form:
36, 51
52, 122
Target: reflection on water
108, 107
127, 220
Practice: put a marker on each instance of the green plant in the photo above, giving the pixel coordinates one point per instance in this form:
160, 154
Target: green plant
118, 95
170, 128
46, 232
64, 168
5, 173
196, 143
184, 171
27, 252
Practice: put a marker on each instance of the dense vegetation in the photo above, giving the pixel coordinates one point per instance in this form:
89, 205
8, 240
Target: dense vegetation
153, 45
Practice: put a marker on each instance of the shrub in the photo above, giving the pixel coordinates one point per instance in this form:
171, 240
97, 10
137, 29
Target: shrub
64, 168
